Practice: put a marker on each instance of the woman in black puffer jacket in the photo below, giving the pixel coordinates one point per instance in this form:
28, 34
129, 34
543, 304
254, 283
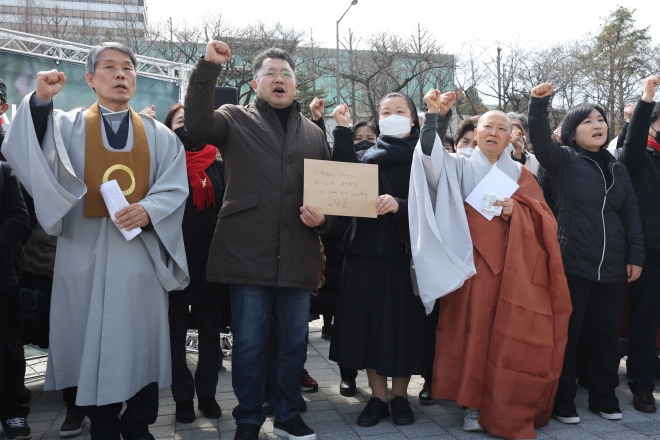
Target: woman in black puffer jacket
601, 239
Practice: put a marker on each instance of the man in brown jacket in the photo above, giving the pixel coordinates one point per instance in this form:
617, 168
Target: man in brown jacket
266, 244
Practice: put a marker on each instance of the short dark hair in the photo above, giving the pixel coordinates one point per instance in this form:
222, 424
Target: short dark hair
170, 114
522, 118
370, 125
574, 118
273, 52
656, 112
469, 124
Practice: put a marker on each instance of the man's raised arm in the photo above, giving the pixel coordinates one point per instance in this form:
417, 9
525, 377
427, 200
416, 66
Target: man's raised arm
202, 122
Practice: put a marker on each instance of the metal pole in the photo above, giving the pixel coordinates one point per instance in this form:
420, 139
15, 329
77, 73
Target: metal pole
337, 55
337, 66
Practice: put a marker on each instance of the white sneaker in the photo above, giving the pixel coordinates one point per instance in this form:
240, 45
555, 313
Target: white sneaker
471, 420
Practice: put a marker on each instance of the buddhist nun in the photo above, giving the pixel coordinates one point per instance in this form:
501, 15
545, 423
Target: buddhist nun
502, 331
109, 334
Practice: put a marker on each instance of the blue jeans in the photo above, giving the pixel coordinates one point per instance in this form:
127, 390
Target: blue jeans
252, 308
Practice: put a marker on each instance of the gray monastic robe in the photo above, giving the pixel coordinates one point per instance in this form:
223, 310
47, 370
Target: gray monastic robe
109, 333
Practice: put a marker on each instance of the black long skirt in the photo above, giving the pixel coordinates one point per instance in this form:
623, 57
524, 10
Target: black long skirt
379, 322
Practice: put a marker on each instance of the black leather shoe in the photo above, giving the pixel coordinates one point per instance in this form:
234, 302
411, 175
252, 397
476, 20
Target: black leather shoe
347, 388
375, 411
425, 395
401, 411
185, 412
209, 407
245, 431
73, 424
644, 401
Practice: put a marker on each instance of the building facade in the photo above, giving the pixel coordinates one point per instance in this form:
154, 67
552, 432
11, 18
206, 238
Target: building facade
83, 21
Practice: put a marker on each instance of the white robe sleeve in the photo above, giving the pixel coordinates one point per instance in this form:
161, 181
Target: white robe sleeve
165, 204
439, 233
46, 173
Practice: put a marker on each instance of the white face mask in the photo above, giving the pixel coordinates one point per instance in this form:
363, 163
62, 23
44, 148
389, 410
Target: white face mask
395, 126
465, 151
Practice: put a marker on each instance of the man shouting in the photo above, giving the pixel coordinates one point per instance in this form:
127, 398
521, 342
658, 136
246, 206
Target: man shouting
109, 332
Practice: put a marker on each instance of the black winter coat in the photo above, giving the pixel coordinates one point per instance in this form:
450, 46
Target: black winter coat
14, 224
643, 164
198, 228
377, 237
599, 227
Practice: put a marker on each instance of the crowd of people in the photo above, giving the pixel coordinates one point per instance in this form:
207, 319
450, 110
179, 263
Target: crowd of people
503, 309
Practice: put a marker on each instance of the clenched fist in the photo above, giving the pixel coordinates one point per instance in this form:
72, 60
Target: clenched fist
628, 111
440, 103
217, 52
149, 111
648, 89
317, 108
49, 84
542, 90
342, 115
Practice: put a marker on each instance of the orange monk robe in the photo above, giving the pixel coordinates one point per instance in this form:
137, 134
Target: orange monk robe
501, 337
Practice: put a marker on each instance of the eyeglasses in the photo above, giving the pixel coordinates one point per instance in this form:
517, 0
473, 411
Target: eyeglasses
285, 74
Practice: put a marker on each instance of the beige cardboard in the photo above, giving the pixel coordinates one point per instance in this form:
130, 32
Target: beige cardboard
341, 188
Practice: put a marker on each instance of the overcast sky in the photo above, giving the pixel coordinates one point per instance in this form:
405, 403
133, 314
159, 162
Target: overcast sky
453, 22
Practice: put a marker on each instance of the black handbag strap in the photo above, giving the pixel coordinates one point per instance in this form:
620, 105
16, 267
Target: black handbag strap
385, 180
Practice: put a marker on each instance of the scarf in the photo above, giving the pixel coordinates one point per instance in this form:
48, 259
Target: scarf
197, 162
653, 144
390, 150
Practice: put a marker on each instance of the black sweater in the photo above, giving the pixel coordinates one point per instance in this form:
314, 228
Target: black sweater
643, 164
377, 237
599, 226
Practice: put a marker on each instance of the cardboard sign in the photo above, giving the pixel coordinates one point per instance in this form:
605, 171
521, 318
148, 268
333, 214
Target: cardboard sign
341, 188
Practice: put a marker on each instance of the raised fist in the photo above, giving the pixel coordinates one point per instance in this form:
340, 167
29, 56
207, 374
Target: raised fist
49, 84
542, 90
317, 108
342, 115
628, 111
648, 89
446, 102
432, 99
217, 52
149, 111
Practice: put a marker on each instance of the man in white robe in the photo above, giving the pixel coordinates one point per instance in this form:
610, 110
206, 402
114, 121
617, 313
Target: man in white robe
109, 334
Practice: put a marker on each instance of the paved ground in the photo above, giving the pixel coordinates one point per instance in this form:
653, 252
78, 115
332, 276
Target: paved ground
334, 416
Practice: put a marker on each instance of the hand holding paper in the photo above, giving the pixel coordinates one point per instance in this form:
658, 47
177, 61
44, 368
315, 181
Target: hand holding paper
495, 183
116, 202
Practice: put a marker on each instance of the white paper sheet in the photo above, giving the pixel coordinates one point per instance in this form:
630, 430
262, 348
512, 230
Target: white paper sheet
495, 182
115, 201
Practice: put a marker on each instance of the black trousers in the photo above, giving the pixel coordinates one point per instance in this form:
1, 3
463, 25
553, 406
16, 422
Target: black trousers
596, 311
207, 317
644, 321
430, 327
141, 411
13, 393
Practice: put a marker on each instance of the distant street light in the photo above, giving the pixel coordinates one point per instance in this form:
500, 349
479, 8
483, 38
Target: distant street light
353, 3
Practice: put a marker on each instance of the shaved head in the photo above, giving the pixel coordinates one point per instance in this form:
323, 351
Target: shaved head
488, 116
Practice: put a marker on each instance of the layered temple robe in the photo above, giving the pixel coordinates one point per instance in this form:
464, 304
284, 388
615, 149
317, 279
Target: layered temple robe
109, 332
501, 336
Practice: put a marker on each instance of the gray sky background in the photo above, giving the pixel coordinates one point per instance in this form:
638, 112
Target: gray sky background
453, 22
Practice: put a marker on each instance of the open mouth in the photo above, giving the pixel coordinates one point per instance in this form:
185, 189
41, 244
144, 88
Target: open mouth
121, 87
279, 91
491, 142
597, 135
